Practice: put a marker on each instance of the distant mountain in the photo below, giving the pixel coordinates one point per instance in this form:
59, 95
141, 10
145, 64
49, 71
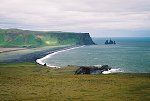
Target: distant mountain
27, 38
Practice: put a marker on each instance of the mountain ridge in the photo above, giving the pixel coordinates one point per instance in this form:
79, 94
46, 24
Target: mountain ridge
27, 38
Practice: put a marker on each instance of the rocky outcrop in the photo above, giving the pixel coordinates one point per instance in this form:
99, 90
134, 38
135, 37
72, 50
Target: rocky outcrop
109, 42
85, 39
92, 69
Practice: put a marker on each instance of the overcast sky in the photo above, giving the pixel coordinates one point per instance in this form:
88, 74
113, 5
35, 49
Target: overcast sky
101, 18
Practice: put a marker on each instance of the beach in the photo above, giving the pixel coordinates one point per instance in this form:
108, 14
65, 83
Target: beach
18, 55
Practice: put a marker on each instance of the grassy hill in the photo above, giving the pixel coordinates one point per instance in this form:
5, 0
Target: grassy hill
32, 82
26, 38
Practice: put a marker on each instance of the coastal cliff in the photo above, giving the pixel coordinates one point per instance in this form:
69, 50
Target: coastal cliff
27, 38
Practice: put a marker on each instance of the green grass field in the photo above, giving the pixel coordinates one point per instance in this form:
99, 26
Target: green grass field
32, 82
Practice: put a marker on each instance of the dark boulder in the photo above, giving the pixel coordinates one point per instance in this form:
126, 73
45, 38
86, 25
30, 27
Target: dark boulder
92, 69
83, 70
45, 64
105, 67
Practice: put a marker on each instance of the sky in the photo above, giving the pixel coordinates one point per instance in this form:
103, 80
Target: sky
101, 18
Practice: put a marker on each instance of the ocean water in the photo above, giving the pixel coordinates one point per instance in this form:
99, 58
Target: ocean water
131, 55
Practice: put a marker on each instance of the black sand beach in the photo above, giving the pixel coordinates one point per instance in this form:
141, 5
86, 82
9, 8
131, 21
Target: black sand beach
30, 55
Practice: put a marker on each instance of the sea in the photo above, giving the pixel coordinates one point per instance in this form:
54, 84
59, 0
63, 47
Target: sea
129, 55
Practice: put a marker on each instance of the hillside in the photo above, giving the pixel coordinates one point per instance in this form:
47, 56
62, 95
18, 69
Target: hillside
26, 38
32, 82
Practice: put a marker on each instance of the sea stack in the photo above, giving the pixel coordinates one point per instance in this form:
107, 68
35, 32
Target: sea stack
110, 42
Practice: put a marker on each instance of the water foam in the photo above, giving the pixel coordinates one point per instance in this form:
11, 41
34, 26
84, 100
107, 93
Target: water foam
118, 70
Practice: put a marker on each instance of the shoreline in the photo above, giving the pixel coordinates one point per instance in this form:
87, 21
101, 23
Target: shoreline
30, 55
40, 60
38, 56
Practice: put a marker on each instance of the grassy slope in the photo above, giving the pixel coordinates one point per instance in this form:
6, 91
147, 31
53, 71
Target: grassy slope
15, 38
28, 81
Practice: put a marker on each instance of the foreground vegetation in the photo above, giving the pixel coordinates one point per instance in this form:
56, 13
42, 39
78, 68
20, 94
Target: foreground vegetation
29, 81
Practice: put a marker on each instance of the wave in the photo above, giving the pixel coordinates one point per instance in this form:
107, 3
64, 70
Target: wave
118, 70
40, 61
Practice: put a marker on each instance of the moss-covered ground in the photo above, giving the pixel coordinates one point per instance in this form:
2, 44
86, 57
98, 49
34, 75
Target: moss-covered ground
32, 82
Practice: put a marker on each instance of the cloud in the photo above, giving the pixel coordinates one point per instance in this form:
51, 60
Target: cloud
76, 15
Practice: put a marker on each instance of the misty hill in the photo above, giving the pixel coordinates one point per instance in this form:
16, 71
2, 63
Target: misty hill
27, 38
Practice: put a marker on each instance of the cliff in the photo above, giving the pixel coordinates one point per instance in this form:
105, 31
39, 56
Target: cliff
27, 38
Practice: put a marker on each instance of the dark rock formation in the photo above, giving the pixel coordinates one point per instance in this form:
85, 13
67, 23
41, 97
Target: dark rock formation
114, 42
109, 42
85, 39
92, 69
83, 70
45, 64
106, 42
